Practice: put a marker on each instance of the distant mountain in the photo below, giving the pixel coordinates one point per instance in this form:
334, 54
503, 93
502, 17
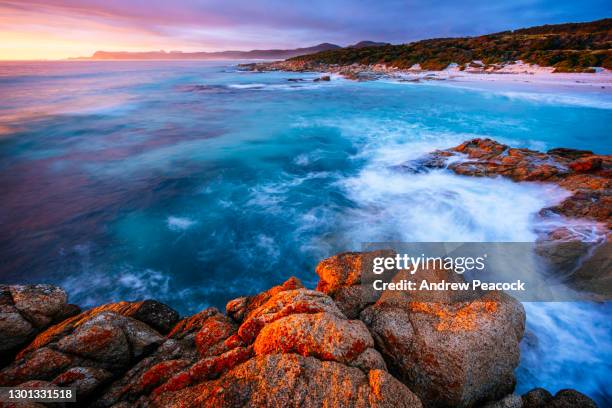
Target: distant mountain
364, 44
179, 55
571, 47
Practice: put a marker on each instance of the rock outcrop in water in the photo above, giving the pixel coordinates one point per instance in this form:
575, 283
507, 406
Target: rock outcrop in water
586, 175
288, 346
581, 251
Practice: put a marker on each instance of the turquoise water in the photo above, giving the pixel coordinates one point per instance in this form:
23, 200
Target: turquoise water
194, 183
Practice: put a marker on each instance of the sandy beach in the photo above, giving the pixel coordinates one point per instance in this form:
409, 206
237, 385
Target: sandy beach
518, 74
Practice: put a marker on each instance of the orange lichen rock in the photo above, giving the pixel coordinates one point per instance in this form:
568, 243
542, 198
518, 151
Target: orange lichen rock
342, 277
207, 334
134, 310
301, 330
345, 269
586, 176
106, 340
450, 353
283, 304
44, 363
289, 347
213, 331
455, 318
586, 164
238, 309
206, 369
192, 324
339, 271
26, 310
322, 335
291, 380
159, 374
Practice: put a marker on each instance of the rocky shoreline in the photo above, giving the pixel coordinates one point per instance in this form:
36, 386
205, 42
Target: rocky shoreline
339, 345
288, 346
354, 71
518, 71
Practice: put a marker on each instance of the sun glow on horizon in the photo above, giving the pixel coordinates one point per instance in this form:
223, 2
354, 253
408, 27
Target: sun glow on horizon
16, 46
51, 35
60, 29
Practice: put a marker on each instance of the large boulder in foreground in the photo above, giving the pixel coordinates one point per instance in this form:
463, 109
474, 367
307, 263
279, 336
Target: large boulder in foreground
451, 351
452, 354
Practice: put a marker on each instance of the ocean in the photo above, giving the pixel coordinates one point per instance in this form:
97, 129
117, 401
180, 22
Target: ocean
194, 183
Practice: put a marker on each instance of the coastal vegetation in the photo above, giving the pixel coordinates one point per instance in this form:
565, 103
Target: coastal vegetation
572, 47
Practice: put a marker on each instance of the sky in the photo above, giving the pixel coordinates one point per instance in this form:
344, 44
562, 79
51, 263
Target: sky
57, 29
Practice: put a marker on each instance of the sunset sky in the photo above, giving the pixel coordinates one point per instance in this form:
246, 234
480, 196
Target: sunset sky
56, 29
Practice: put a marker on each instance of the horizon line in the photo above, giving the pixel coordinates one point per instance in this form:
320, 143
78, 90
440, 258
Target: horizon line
89, 58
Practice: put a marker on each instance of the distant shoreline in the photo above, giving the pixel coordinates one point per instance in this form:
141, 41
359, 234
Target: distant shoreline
517, 72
